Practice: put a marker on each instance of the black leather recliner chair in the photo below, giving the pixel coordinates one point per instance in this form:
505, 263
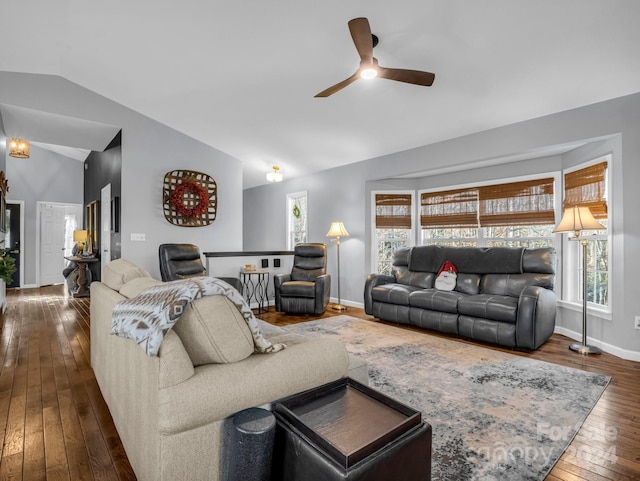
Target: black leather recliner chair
306, 290
181, 261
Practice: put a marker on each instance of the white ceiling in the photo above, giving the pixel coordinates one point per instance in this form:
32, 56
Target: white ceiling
241, 76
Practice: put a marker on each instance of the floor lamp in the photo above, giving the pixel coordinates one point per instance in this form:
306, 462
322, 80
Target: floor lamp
578, 219
338, 230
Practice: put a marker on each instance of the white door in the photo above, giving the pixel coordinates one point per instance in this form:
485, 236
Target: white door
105, 227
51, 244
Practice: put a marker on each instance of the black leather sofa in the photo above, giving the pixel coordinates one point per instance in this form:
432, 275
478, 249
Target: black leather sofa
503, 295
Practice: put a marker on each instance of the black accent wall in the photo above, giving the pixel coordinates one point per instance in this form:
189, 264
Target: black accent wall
101, 169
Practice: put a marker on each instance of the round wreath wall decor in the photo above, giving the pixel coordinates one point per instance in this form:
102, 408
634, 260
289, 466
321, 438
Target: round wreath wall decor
192, 190
189, 198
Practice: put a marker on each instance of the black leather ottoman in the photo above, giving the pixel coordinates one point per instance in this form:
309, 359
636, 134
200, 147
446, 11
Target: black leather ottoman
347, 431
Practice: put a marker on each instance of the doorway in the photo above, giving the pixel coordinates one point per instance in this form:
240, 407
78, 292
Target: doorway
13, 240
55, 239
105, 227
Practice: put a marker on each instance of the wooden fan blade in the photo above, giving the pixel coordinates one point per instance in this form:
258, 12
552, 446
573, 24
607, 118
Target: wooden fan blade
416, 77
361, 35
339, 86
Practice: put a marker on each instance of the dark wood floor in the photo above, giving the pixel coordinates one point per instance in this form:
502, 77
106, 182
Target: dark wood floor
54, 423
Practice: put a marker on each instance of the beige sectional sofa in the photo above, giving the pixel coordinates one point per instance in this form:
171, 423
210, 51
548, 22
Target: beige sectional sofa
170, 410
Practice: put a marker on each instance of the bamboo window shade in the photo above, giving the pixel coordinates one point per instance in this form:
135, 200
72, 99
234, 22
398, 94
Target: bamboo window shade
449, 209
393, 211
587, 187
517, 203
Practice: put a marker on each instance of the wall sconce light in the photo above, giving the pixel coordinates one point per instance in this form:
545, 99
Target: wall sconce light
19, 148
275, 175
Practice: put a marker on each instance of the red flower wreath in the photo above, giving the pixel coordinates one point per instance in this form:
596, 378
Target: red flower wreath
177, 199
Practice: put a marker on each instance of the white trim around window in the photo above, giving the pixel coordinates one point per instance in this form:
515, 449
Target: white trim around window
297, 226
570, 297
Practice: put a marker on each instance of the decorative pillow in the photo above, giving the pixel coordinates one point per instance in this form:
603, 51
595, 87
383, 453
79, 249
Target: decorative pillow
447, 276
134, 287
213, 330
120, 271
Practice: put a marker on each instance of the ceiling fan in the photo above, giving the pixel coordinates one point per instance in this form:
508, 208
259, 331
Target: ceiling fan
369, 68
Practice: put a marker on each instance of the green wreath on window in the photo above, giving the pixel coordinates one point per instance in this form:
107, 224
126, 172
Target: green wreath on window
296, 211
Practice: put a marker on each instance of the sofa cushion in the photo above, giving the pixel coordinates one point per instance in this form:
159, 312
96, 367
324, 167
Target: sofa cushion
404, 276
217, 391
120, 271
541, 260
513, 284
135, 286
213, 330
468, 283
436, 300
393, 293
298, 289
496, 308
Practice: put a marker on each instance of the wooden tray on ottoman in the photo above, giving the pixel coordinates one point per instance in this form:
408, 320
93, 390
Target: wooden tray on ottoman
349, 422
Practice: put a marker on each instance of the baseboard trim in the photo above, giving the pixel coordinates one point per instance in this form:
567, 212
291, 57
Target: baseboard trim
611, 349
334, 300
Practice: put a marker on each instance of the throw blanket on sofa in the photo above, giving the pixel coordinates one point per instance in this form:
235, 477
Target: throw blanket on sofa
149, 316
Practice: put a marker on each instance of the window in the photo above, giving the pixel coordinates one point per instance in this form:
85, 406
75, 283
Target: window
517, 214
296, 219
587, 186
393, 226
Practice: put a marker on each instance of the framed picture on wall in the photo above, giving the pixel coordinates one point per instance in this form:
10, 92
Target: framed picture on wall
115, 214
3, 213
92, 226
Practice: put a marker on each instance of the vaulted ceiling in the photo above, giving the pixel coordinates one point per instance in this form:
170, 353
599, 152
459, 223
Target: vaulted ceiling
241, 76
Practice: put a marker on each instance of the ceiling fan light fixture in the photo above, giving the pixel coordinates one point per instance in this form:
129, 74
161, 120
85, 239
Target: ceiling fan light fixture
364, 42
369, 73
19, 148
275, 175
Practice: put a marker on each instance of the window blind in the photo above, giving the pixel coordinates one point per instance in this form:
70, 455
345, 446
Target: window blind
517, 203
449, 209
393, 211
587, 187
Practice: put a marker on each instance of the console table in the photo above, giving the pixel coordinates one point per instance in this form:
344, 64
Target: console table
82, 290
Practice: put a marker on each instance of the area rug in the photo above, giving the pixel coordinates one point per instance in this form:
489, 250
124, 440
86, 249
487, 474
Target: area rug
495, 415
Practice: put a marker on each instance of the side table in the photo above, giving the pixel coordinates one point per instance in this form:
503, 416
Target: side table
254, 285
82, 290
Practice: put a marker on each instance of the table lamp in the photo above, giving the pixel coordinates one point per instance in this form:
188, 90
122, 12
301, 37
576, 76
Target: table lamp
80, 238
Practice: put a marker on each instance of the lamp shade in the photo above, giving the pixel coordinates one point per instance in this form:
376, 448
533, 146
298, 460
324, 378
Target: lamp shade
576, 219
337, 229
80, 236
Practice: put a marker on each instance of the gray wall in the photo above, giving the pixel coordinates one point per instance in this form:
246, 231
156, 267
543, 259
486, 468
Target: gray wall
44, 177
149, 150
344, 194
